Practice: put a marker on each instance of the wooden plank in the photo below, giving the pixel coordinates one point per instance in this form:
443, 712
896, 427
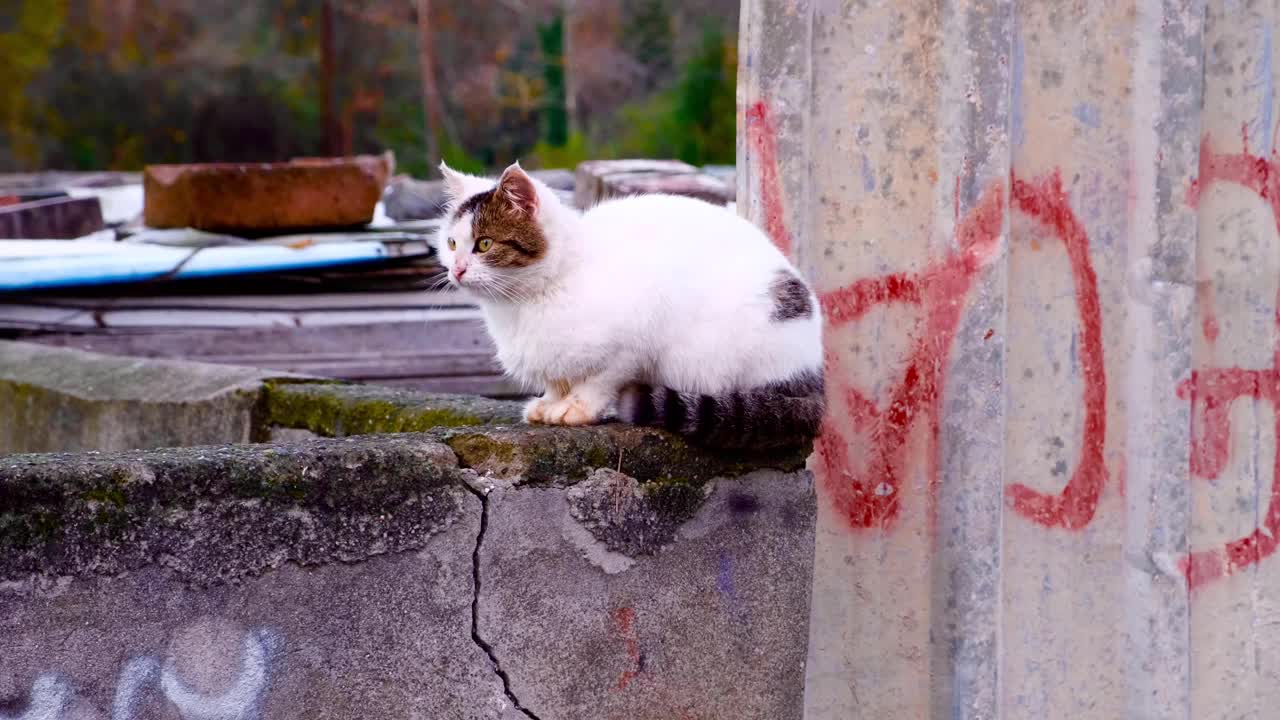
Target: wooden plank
440, 357
461, 334
326, 302
371, 367
54, 319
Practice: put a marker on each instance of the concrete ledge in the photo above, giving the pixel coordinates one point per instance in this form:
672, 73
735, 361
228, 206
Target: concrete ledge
221, 513
56, 400
337, 410
555, 455
53, 399
474, 569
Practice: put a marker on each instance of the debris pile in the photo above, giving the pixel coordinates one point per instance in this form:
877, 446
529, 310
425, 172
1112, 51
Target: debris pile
322, 266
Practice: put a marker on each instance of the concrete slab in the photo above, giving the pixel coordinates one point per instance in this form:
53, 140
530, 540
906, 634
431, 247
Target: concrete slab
54, 399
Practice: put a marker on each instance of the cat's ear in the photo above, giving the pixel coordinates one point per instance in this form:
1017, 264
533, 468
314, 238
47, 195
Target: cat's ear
455, 183
518, 188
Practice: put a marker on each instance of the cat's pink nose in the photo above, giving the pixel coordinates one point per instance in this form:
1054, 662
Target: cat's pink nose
458, 271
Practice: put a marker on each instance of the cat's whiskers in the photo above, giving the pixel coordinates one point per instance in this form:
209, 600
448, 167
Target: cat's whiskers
506, 288
439, 283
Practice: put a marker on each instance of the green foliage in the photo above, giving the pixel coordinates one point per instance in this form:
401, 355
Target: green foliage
82, 87
574, 150
402, 127
555, 112
705, 103
694, 121
458, 158
647, 37
25, 52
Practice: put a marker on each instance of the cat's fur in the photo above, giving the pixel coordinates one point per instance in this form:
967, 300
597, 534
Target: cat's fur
678, 313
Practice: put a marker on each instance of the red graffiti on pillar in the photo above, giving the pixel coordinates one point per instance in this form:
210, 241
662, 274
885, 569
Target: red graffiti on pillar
1046, 202
762, 136
1213, 390
872, 498
1208, 318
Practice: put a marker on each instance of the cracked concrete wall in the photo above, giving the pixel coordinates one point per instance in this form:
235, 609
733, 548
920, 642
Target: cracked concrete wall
1046, 239
462, 573
706, 620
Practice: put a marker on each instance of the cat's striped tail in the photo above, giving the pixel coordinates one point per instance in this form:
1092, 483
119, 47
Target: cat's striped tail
777, 415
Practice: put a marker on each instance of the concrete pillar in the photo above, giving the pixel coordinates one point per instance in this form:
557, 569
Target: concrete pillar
1045, 235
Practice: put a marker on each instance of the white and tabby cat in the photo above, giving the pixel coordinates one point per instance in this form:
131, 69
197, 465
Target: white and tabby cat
677, 313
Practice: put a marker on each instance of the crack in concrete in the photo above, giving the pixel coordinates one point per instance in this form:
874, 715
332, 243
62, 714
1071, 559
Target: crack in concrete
475, 606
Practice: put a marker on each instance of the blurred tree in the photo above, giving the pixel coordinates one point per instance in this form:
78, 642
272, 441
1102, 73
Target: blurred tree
705, 103
119, 83
555, 114
430, 94
695, 121
25, 52
332, 133
646, 35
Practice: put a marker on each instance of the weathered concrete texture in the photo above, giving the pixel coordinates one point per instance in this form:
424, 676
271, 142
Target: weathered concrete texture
214, 514
375, 577
389, 637
300, 194
557, 455
704, 619
55, 400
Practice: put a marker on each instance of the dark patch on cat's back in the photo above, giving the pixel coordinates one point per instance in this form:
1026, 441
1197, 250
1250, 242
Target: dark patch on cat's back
790, 297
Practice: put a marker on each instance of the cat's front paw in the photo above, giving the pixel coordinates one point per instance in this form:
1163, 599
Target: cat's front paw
571, 411
536, 410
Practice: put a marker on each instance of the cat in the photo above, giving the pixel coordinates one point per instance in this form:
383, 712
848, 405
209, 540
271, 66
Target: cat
663, 310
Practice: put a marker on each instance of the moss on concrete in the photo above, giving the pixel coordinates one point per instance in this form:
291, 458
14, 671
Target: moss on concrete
339, 410
632, 517
224, 512
218, 513
559, 455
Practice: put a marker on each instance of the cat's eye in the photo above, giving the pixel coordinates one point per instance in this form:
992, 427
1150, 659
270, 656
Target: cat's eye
453, 245
484, 244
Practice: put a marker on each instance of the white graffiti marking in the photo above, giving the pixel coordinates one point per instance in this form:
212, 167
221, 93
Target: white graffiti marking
236, 702
136, 673
51, 696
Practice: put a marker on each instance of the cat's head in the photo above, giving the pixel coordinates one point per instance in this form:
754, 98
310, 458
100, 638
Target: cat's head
496, 239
